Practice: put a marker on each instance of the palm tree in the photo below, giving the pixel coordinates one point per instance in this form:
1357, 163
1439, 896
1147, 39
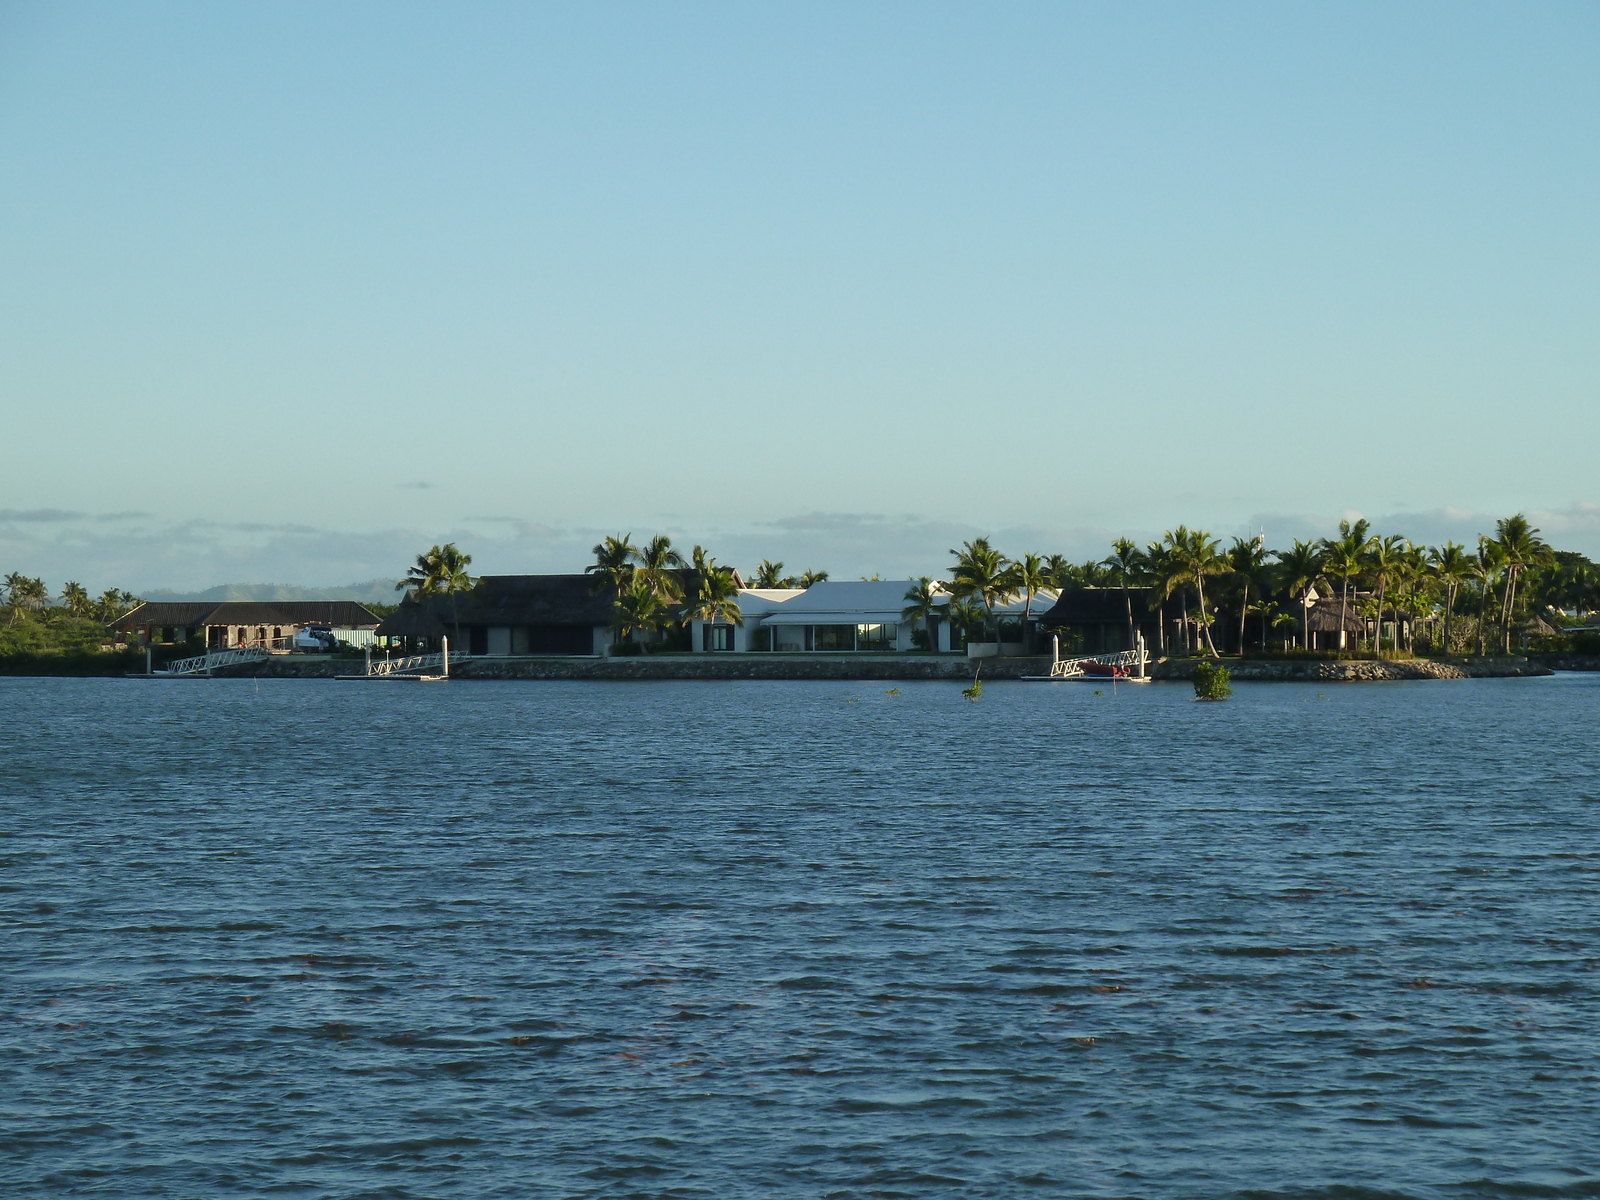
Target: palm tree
808, 578
966, 614
25, 593
1485, 565
442, 571
1063, 574
1161, 572
1409, 579
1282, 620
770, 575
1263, 609
638, 608
717, 598
1125, 561
923, 604
1247, 563
1195, 554
109, 606
1385, 557
1028, 576
1344, 558
1299, 569
980, 572
659, 565
76, 598
613, 563
1522, 547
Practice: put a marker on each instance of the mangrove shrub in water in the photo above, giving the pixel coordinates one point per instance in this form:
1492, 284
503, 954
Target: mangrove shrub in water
1211, 680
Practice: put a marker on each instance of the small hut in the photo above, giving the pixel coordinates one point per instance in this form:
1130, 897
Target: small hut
1327, 630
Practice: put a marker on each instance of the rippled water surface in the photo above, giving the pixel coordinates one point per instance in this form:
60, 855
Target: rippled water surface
798, 940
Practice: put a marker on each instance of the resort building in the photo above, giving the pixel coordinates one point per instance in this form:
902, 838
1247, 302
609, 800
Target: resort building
232, 623
508, 615
855, 617
1095, 620
755, 604
1328, 630
848, 616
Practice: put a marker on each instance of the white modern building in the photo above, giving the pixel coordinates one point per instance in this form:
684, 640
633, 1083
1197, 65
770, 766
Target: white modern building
755, 604
845, 616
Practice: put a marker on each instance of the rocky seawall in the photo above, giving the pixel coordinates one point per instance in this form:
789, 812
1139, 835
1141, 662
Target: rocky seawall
898, 668
1560, 661
715, 667
1311, 670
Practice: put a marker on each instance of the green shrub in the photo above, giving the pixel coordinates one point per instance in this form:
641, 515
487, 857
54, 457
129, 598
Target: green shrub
1211, 680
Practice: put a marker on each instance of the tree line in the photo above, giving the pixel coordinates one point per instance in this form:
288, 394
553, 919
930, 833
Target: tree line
27, 597
647, 583
1468, 599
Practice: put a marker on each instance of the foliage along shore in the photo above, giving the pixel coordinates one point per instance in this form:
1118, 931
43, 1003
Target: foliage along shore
896, 668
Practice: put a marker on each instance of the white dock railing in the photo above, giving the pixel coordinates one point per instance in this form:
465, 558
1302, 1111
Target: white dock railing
1132, 660
217, 658
412, 664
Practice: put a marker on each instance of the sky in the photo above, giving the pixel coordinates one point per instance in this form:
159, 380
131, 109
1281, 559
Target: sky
289, 292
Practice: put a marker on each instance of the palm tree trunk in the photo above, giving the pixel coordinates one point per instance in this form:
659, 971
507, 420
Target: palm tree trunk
1511, 605
1344, 607
1505, 609
1483, 604
1449, 603
1127, 599
1244, 611
1205, 626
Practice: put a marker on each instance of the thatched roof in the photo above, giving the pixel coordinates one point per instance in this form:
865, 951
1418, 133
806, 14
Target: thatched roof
1102, 606
1323, 617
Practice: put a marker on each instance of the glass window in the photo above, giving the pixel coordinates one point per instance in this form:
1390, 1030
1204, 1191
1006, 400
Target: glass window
788, 637
722, 637
834, 637
876, 637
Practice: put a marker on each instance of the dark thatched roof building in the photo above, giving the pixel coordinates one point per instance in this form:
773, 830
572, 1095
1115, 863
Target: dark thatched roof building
509, 614
514, 615
1095, 620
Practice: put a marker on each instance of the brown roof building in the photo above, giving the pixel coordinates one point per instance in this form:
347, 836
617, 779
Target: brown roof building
240, 623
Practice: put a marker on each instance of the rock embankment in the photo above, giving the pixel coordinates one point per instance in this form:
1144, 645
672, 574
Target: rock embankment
1313, 670
714, 667
1562, 661
719, 667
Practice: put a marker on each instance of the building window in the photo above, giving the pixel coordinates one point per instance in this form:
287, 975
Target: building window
721, 637
833, 637
789, 637
877, 637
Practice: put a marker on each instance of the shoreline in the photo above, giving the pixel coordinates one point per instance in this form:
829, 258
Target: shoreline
903, 668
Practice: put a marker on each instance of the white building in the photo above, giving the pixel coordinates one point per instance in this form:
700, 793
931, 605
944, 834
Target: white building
844, 616
830, 617
754, 605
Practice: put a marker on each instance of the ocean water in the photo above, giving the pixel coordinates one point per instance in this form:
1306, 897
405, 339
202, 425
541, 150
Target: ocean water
324, 939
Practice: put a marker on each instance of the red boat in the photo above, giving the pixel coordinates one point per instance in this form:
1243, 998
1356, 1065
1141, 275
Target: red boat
1105, 670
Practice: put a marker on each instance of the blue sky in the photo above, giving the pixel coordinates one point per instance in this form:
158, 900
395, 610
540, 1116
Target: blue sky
288, 292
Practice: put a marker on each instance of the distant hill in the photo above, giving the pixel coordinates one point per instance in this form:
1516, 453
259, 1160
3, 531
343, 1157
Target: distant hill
374, 591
